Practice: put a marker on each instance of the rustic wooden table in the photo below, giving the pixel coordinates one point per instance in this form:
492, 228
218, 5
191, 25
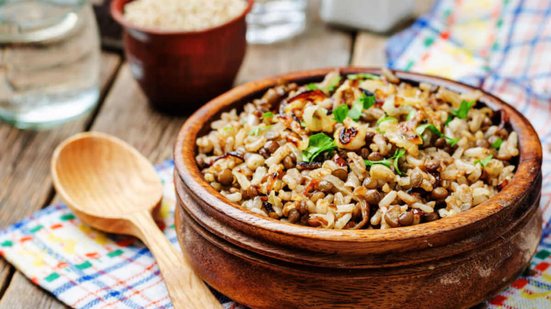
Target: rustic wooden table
25, 184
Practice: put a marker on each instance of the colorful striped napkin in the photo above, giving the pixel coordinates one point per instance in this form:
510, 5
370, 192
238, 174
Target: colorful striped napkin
503, 46
85, 268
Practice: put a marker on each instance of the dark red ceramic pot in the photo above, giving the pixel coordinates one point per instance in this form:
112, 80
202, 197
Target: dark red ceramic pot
180, 71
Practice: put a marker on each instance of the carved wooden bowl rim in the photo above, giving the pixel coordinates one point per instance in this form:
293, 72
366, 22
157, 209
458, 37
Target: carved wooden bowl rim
523, 182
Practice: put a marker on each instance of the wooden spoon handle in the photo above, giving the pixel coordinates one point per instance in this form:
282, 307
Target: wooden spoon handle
186, 289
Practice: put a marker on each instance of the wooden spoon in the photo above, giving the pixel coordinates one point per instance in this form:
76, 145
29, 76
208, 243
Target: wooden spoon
112, 187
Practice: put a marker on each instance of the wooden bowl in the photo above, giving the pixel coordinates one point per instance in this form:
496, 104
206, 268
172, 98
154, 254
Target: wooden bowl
265, 263
181, 70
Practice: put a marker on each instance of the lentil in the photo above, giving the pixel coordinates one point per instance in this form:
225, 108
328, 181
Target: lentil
373, 197
340, 173
375, 156
225, 177
406, 218
439, 193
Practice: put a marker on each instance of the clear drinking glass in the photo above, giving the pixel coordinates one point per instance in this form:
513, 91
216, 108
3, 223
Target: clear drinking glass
49, 61
274, 20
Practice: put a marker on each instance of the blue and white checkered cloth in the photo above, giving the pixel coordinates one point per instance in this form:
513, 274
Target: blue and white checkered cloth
503, 47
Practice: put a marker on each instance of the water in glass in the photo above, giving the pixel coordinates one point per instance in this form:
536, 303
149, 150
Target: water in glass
274, 20
49, 61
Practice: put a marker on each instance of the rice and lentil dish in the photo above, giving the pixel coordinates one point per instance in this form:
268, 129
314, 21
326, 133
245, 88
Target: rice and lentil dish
360, 151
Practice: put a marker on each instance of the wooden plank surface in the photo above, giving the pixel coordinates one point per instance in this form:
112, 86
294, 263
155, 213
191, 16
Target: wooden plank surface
319, 46
25, 158
369, 48
6, 272
126, 114
26, 186
24, 294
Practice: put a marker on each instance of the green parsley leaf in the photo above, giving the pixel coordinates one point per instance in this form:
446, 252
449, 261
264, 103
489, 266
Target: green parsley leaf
312, 86
461, 112
340, 113
427, 126
386, 118
385, 162
332, 85
367, 98
483, 162
362, 76
463, 109
398, 153
451, 141
365, 101
317, 144
396, 157
258, 129
392, 161
450, 118
497, 143
356, 111
267, 115
411, 114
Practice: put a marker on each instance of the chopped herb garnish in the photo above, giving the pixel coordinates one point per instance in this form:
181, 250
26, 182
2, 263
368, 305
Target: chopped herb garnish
485, 161
429, 126
497, 143
356, 111
463, 109
340, 113
461, 112
365, 101
451, 141
392, 161
411, 114
362, 76
267, 115
386, 118
333, 83
258, 129
397, 155
317, 144
312, 86
385, 162
367, 98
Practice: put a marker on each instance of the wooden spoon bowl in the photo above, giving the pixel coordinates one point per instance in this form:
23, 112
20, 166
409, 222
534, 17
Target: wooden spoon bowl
265, 263
112, 187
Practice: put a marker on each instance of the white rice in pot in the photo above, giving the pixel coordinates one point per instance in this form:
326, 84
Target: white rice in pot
182, 15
